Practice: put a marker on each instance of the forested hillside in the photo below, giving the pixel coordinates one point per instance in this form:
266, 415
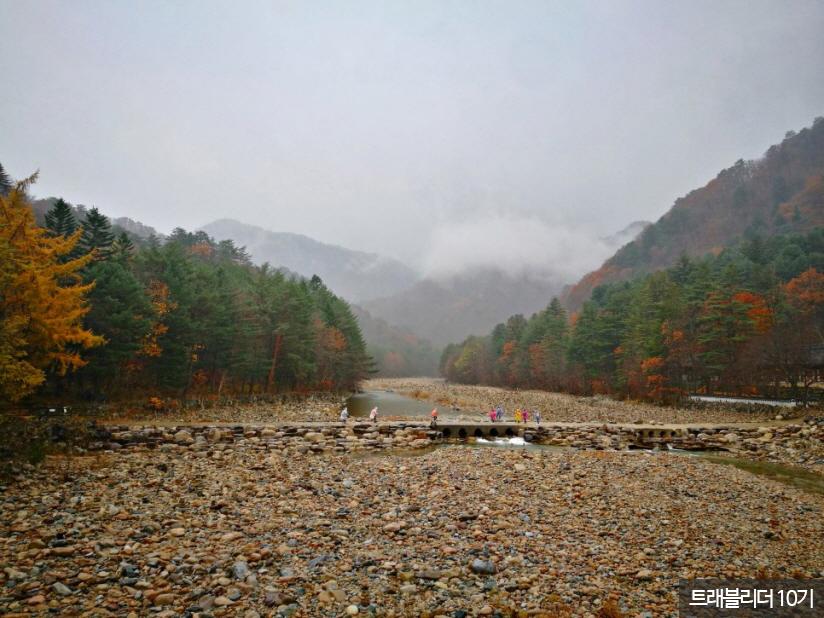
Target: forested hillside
747, 321
136, 231
87, 315
355, 275
781, 193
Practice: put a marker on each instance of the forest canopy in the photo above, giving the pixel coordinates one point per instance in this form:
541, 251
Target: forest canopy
747, 321
90, 314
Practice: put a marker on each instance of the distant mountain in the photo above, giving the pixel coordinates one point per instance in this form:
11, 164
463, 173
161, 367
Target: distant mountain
135, 227
781, 193
354, 275
445, 311
397, 352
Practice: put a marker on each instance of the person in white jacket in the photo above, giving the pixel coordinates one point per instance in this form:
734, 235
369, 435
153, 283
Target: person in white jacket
344, 414
373, 415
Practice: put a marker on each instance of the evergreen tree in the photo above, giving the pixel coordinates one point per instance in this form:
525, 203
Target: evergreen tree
97, 235
120, 312
60, 219
555, 344
6, 184
122, 248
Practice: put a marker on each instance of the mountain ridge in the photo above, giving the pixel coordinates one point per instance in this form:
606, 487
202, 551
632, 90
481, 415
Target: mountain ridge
782, 192
354, 275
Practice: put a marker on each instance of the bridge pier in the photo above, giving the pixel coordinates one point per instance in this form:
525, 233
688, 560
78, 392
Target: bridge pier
482, 430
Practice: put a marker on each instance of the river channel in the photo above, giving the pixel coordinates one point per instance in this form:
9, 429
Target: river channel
391, 404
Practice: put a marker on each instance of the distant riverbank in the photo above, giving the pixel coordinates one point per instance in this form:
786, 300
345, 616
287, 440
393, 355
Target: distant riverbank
477, 400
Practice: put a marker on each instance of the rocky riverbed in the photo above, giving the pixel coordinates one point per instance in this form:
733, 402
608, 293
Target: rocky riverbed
477, 401
800, 445
242, 530
317, 407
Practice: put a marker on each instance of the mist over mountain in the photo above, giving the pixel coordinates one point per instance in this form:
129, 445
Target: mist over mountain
396, 351
627, 235
480, 272
515, 245
354, 275
450, 308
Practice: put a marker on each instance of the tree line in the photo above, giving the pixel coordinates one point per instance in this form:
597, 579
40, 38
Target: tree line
87, 314
747, 321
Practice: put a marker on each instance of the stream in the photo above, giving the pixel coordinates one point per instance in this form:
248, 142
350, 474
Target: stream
392, 404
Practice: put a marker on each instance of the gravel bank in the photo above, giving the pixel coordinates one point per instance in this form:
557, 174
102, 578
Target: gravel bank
319, 407
477, 400
240, 530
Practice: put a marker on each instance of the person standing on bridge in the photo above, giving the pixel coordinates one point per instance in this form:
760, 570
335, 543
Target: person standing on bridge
537, 415
373, 415
493, 414
434, 415
517, 415
499, 413
525, 415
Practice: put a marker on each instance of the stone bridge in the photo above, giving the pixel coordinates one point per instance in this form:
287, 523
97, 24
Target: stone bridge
452, 429
339, 437
531, 432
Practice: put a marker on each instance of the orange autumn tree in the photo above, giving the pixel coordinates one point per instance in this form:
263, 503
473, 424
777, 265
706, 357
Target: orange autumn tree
806, 292
42, 301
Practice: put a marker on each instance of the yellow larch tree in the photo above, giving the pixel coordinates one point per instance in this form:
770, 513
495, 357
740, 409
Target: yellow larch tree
42, 301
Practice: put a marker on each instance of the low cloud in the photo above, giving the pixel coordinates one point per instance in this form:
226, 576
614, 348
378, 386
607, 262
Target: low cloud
515, 245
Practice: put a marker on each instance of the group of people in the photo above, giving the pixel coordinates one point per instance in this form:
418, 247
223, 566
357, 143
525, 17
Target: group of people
373, 415
496, 415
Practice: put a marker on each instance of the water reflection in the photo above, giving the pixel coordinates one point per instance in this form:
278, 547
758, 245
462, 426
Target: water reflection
392, 404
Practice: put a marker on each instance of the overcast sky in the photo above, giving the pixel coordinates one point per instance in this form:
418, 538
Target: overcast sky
436, 132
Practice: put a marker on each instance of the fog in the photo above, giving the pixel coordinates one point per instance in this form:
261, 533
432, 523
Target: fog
446, 134
518, 245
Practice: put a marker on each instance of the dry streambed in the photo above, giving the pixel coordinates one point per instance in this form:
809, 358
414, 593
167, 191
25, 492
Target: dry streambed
239, 530
318, 407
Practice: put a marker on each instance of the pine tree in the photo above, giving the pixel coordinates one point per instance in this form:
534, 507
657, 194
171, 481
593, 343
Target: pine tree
555, 344
123, 248
97, 235
6, 184
120, 312
60, 219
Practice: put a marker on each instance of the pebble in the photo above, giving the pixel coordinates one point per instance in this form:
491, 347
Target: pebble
240, 570
484, 567
61, 589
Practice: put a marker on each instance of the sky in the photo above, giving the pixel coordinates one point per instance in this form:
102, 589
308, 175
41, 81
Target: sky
445, 134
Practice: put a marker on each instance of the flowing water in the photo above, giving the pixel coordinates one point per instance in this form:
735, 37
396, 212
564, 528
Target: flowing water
392, 404
789, 475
